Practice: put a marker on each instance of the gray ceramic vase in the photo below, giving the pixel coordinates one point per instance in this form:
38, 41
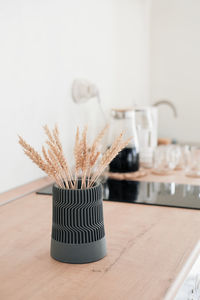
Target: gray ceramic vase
78, 234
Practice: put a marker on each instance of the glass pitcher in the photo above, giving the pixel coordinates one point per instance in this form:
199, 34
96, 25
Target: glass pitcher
128, 159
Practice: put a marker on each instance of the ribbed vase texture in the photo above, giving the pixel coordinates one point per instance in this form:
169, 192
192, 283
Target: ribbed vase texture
77, 221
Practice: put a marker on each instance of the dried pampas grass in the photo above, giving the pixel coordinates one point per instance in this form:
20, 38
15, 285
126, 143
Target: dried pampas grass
90, 163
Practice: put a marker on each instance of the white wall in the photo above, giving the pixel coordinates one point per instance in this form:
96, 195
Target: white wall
175, 66
45, 44
132, 67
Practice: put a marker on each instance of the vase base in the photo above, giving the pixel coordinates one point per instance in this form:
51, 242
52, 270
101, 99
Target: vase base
78, 253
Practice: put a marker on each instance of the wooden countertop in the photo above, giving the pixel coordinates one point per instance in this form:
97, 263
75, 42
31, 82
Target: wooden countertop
147, 247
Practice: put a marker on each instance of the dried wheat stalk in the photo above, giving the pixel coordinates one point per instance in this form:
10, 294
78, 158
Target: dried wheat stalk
78, 159
37, 159
87, 158
55, 145
108, 156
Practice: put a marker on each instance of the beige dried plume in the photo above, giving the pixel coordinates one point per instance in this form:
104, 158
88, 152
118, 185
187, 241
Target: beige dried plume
87, 158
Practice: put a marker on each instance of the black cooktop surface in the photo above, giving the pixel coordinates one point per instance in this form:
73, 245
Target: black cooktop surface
151, 193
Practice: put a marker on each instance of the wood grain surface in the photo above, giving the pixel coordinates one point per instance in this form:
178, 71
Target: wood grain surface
23, 190
147, 247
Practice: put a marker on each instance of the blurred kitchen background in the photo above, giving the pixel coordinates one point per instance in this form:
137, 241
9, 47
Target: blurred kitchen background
137, 52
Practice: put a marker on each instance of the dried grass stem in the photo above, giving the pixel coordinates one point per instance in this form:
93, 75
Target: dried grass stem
87, 158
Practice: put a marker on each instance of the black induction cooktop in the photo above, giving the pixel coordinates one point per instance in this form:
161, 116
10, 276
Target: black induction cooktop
151, 193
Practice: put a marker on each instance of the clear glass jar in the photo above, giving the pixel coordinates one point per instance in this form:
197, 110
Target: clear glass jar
128, 159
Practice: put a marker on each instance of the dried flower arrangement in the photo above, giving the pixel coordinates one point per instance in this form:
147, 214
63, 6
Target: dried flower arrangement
89, 161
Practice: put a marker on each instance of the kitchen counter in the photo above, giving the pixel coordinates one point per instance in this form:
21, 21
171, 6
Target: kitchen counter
147, 247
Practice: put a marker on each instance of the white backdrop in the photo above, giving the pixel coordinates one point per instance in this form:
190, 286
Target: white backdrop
45, 44
175, 66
